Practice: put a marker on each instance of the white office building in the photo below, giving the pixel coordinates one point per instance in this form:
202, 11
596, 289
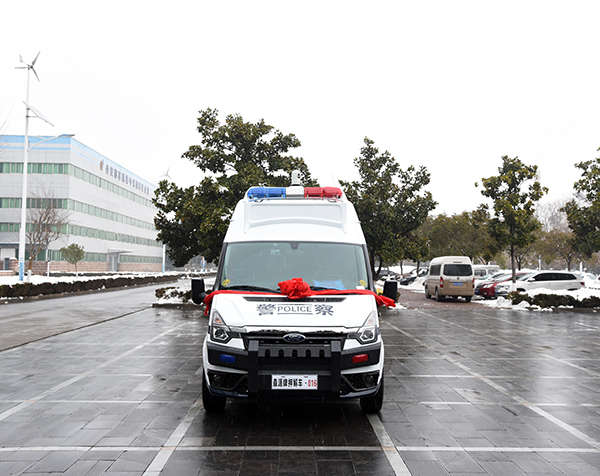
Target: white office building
110, 210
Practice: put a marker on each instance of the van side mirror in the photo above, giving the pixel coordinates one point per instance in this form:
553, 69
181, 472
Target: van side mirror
198, 290
390, 289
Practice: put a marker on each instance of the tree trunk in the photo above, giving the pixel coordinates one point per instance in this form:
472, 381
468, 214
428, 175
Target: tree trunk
512, 263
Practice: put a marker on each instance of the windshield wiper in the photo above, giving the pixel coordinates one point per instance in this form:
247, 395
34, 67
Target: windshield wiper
249, 287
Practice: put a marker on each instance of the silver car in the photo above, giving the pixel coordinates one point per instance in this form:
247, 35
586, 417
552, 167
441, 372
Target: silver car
552, 280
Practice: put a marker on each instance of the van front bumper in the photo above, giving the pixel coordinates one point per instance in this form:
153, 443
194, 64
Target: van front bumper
249, 372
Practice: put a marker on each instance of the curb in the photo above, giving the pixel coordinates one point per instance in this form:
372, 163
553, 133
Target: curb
182, 305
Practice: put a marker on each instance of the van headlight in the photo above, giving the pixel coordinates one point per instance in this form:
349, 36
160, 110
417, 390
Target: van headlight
219, 331
369, 331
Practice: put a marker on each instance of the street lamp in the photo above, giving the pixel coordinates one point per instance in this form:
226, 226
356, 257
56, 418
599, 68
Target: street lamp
27, 148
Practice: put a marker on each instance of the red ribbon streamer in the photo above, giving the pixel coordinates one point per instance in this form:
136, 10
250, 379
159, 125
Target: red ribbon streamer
297, 289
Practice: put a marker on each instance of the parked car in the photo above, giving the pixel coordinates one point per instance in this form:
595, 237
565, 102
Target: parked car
552, 280
387, 274
589, 278
487, 289
406, 280
491, 277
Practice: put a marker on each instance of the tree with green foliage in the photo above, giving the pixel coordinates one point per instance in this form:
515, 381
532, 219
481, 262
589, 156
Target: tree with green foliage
416, 249
463, 234
583, 212
73, 254
390, 202
514, 191
234, 156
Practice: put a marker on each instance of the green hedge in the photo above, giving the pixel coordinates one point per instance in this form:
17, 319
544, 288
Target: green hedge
8, 291
555, 300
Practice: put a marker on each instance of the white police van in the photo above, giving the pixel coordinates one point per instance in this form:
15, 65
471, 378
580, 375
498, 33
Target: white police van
293, 313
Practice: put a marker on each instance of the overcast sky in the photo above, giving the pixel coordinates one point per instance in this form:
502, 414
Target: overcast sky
450, 85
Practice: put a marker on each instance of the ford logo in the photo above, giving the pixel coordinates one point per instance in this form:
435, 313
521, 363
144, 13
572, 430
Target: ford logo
294, 338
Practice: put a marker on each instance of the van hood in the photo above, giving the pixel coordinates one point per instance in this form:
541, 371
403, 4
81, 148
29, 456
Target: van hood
274, 312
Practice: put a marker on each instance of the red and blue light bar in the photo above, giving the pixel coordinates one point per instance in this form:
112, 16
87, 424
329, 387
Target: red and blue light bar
260, 193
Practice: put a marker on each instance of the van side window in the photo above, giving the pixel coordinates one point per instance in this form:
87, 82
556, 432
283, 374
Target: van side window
435, 270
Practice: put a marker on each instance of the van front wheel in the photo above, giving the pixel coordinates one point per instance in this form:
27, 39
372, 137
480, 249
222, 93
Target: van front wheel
212, 403
427, 295
373, 404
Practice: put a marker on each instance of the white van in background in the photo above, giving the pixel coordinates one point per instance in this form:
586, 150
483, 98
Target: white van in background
481, 270
450, 276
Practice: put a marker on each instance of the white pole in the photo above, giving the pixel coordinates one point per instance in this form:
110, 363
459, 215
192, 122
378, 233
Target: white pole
24, 190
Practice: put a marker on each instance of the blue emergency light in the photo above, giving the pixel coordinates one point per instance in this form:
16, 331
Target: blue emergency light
256, 193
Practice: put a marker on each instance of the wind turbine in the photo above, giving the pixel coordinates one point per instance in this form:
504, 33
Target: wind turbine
29, 67
166, 174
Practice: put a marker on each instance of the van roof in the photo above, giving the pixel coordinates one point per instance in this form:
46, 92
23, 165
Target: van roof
295, 215
450, 259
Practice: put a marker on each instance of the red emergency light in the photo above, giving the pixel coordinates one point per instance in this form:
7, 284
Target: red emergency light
322, 192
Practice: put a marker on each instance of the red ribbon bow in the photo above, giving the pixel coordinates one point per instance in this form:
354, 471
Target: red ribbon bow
295, 288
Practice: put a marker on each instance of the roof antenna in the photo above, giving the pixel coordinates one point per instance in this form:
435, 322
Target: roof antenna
296, 178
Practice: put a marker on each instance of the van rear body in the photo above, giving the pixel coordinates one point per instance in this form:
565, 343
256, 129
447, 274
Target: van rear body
450, 276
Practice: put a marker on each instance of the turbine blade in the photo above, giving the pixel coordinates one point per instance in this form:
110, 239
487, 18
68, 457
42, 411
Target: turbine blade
38, 78
33, 63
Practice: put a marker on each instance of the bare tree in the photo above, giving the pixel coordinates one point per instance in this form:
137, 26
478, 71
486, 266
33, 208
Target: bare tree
47, 221
551, 216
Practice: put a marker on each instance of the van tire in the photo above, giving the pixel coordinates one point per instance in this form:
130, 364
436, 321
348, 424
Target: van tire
468, 298
438, 297
373, 404
212, 403
427, 295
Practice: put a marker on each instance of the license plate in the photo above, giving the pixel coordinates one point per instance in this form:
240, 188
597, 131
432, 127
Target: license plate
294, 382
457, 284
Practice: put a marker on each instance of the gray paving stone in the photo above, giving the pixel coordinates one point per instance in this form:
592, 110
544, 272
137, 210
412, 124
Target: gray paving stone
458, 462
56, 462
132, 461
427, 468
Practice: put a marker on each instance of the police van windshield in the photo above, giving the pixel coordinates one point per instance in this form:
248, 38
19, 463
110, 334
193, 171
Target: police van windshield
261, 265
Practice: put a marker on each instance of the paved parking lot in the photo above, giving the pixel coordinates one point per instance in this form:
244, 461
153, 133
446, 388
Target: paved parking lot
469, 391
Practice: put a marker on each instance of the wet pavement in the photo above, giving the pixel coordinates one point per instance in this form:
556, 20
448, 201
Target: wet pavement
469, 391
